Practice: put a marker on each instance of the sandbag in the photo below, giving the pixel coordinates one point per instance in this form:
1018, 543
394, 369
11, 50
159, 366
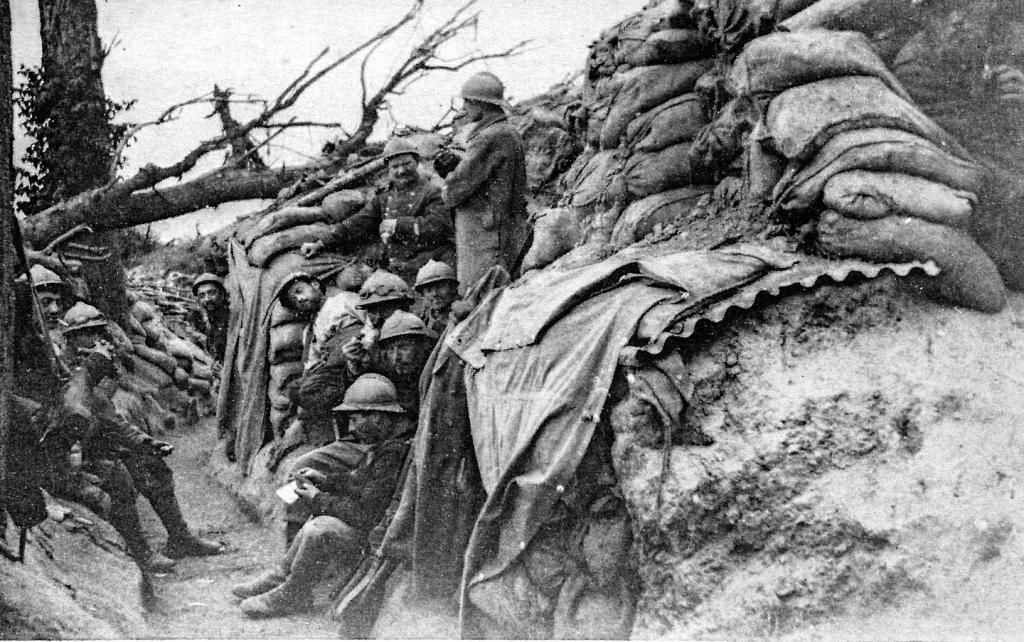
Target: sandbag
280, 315
180, 377
340, 205
762, 169
588, 182
156, 333
666, 47
282, 219
267, 247
969, 277
178, 347
286, 343
284, 381
867, 195
641, 217
779, 61
135, 328
135, 383
150, 372
119, 338
143, 311
669, 123
719, 143
865, 16
198, 385
802, 119
644, 88
166, 362
878, 149
730, 24
202, 371
555, 232
653, 172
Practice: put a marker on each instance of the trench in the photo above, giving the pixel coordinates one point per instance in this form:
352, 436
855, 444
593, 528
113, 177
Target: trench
195, 600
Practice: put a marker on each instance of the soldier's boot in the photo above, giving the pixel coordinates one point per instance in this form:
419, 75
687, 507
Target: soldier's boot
126, 522
320, 545
181, 541
270, 580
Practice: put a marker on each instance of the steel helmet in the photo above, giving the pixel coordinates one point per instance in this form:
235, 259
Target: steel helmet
484, 87
82, 316
383, 286
370, 392
45, 278
402, 324
398, 146
433, 272
207, 277
297, 276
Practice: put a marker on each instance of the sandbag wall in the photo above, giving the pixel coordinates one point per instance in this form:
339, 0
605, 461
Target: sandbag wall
167, 376
287, 333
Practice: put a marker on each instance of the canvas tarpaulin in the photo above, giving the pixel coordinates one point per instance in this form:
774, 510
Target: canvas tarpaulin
243, 407
539, 372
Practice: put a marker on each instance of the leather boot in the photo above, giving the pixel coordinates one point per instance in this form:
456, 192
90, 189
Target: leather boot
269, 580
146, 558
181, 541
285, 599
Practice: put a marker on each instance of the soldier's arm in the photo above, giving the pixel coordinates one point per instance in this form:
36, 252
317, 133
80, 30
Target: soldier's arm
360, 227
433, 225
475, 169
363, 496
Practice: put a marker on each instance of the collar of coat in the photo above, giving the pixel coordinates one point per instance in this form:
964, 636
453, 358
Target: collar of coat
487, 122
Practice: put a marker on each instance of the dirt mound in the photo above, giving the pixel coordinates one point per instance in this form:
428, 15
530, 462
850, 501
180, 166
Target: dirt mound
862, 479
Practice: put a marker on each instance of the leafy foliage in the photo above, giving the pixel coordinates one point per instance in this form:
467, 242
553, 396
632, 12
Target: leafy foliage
45, 101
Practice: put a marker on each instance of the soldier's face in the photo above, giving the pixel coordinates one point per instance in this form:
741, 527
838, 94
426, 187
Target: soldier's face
305, 296
441, 294
404, 356
370, 425
53, 307
402, 169
379, 313
210, 296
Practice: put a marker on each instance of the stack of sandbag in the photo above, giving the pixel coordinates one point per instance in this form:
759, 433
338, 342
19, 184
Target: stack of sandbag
287, 333
287, 229
840, 140
549, 126
162, 357
657, 133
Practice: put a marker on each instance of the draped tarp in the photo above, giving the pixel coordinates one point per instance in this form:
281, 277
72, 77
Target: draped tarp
242, 407
540, 358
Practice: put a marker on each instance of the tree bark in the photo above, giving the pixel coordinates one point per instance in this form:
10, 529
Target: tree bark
7, 267
113, 212
72, 61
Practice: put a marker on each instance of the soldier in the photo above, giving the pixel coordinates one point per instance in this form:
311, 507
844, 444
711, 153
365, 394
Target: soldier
142, 467
487, 187
302, 293
437, 284
346, 492
408, 216
404, 346
213, 298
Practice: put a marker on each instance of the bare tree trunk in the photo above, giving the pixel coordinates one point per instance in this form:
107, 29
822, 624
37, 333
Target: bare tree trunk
6, 237
72, 62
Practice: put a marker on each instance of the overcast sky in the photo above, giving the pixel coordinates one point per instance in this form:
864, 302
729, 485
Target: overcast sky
169, 51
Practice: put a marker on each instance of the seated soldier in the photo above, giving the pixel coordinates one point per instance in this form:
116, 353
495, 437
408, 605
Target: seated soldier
437, 284
213, 322
404, 346
345, 495
121, 454
408, 216
382, 295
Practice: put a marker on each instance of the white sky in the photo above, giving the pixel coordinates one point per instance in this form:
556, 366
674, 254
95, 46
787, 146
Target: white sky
172, 50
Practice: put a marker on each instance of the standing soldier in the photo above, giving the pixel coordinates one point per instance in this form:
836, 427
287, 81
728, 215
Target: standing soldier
437, 284
487, 187
408, 216
213, 298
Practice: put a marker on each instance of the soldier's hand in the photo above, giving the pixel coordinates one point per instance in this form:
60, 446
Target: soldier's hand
356, 356
1008, 80
445, 162
162, 448
387, 229
307, 492
309, 250
310, 475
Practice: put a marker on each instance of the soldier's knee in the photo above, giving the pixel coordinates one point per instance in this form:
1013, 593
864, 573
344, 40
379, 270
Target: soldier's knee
330, 528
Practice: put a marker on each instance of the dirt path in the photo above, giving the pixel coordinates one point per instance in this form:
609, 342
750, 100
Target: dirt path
194, 601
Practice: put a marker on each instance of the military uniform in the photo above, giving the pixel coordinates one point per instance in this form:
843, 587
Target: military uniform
423, 227
487, 190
